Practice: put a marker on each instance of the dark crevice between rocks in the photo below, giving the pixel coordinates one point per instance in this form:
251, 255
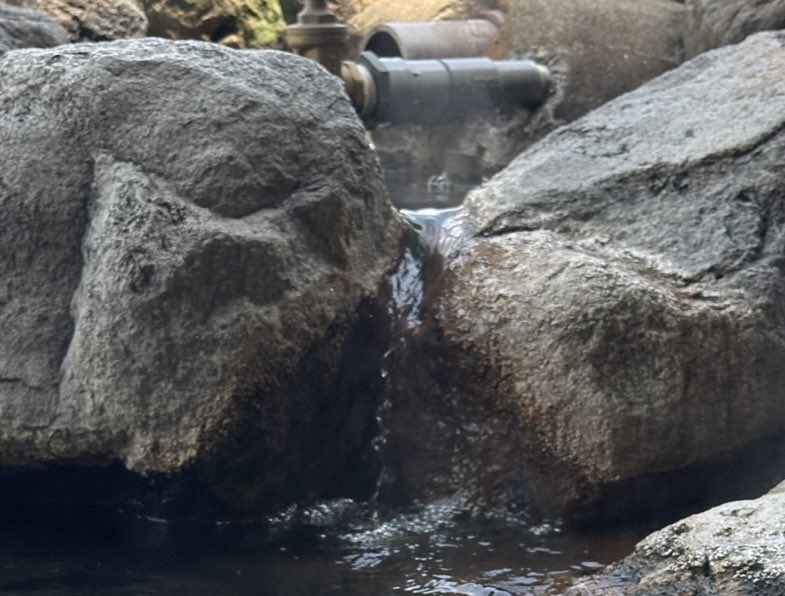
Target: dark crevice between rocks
441, 441
80, 253
328, 452
660, 499
353, 410
223, 30
86, 33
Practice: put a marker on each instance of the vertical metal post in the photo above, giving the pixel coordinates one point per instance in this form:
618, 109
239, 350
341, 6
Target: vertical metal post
318, 35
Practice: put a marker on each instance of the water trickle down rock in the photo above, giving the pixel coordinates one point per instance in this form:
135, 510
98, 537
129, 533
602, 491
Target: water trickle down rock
421, 445
193, 241
617, 320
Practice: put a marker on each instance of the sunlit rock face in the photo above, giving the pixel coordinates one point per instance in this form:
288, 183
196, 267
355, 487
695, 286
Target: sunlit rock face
190, 237
715, 23
94, 20
596, 50
736, 548
619, 309
22, 28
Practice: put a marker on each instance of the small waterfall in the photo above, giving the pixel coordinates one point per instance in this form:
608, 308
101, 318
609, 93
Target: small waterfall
437, 232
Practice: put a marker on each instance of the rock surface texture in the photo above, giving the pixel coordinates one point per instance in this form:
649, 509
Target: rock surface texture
22, 28
189, 235
235, 23
715, 23
620, 304
94, 20
736, 549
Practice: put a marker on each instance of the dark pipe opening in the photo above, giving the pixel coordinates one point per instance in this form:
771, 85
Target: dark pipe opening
383, 45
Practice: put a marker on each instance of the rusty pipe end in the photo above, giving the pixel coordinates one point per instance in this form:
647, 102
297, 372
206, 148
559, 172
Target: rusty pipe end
434, 39
525, 83
497, 17
360, 87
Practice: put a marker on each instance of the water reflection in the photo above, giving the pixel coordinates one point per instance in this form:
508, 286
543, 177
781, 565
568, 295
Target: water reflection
334, 548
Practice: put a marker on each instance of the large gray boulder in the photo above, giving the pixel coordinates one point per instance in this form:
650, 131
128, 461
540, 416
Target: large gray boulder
716, 23
618, 310
22, 28
192, 241
736, 549
94, 20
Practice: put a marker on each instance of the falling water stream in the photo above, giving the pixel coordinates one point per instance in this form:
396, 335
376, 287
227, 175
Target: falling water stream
338, 547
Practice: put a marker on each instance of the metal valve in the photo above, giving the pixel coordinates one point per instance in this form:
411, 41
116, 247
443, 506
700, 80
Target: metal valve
318, 35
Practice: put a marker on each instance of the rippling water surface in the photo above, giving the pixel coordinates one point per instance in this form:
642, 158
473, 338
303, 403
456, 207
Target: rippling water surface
334, 548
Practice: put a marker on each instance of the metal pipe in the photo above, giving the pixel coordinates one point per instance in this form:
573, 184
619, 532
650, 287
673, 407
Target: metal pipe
318, 35
436, 39
393, 90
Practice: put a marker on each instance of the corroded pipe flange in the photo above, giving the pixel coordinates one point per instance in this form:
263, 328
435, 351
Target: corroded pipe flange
359, 87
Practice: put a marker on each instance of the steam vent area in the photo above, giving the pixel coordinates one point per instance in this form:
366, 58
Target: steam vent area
374, 297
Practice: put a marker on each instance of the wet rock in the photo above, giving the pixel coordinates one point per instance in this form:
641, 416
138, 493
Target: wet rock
618, 311
595, 50
737, 548
94, 20
235, 23
22, 28
193, 239
715, 23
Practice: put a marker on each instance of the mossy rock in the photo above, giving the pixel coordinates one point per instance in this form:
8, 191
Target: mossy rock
235, 23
